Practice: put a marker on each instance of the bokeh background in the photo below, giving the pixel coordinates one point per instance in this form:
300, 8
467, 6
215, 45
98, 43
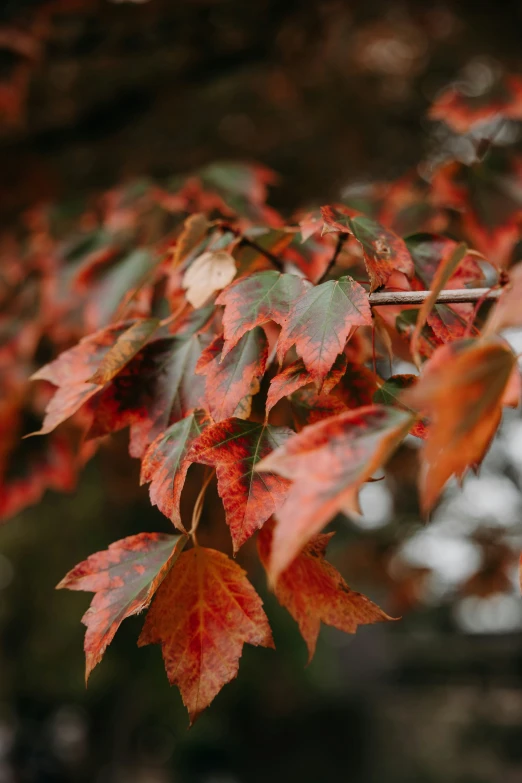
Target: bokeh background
95, 93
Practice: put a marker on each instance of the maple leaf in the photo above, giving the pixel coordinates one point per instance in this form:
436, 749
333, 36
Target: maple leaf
73, 370
202, 615
463, 110
445, 270
125, 348
165, 464
232, 380
194, 231
156, 389
296, 375
461, 391
309, 406
384, 252
254, 300
124, 577
328, 462
234, 447
320, 322
313, 591
210, 272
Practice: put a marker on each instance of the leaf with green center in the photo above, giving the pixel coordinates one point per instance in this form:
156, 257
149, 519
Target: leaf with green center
320, 322
165, 464
233, 379
234, 447
328, 462
124, 577
254, 300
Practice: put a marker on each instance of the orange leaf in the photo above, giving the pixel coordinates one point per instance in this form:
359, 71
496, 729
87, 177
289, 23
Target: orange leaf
328, 462
461, 392
313, 591
202, 615
124, 577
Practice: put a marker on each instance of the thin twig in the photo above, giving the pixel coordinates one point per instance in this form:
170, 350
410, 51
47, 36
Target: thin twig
453, 296
341, 239
276, 261
198, 506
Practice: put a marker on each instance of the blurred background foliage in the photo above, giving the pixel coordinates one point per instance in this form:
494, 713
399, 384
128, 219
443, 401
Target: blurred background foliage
96, 93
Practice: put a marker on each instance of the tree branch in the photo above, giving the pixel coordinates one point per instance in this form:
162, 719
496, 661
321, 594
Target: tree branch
453, 296
341, 239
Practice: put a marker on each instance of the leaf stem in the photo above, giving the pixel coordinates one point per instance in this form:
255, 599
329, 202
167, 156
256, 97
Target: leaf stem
276, 261
341, 239
198, 506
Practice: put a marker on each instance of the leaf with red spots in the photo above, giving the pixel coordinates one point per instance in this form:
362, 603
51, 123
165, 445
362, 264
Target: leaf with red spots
328, 462
156, 389
313, 591
384, 252
254, 300
124, 577
296, 375
165, 464
233, 379
461, 391
202, 615
462, 109
234, 447
321, 321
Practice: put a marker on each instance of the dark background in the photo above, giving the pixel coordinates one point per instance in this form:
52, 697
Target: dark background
325, 93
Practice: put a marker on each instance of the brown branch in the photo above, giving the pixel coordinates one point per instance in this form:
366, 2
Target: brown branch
341, 239
454, 296
277, 262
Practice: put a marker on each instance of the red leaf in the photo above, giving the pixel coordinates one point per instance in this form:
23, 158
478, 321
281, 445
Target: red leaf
328, 463
203, 614
156, 389
254, 300
165, 464
384, 252
320, 322
462, 111
234, 447
124, 577
233, 379
296, 375
313, 591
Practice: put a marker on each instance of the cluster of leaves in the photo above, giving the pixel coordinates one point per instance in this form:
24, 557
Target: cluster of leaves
222, 336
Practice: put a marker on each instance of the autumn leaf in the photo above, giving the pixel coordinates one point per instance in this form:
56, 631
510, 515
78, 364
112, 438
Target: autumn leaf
445, 270
252, 301
384, 252
328, 462
462, 110
156, 389
165, 464
194, 231
309, 406
233, 379
313, 591
507, 312
461, 392
296, 375
210, 272
125, 348
234, 447
124, 577
71, 372
320, 322
202, 615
